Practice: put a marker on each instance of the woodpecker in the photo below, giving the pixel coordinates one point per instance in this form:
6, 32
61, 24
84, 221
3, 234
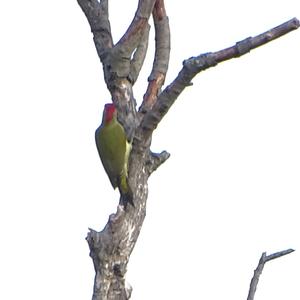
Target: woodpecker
114, 149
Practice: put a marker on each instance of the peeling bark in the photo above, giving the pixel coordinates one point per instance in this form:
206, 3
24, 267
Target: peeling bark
161, 58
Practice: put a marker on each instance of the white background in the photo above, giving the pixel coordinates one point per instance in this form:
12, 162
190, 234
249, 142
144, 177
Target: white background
229, 191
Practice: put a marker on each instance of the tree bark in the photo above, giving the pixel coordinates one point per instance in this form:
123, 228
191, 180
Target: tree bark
110, 248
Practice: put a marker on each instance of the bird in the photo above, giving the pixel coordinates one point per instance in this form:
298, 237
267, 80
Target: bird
114, 150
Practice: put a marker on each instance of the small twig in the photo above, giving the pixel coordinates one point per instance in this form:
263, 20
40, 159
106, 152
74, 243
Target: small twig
194, 65
156, 160
257, 272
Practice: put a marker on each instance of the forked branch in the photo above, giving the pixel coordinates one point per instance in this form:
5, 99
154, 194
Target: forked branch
257, 272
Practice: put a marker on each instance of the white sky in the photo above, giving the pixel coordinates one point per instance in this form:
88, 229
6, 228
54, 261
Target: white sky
229, 191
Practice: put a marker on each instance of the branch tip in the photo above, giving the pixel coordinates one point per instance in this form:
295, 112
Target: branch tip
156, 160
295, 22
278, 254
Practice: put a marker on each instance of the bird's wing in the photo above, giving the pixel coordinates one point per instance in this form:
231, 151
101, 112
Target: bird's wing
112, 151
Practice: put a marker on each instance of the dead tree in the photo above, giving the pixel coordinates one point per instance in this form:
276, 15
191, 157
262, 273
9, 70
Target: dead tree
110, 249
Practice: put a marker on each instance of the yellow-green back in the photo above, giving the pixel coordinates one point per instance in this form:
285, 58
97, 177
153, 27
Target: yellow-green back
114, 152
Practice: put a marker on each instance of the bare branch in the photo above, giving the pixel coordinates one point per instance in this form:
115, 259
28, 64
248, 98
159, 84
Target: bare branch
257, 272
131, 39
139, 56
250, 43
117, 60
161, 58
194, 65
97, 15
127, 56
278, 254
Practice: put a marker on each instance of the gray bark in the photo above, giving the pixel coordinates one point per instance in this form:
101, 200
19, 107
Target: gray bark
110, 248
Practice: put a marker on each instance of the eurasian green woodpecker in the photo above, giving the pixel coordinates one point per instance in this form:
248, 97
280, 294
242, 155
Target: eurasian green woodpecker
114, 150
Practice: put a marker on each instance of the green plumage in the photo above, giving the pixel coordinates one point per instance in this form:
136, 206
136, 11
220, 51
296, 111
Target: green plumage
114, 150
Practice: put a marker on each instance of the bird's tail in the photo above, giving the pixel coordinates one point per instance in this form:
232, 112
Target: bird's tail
127, 198
125, 192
